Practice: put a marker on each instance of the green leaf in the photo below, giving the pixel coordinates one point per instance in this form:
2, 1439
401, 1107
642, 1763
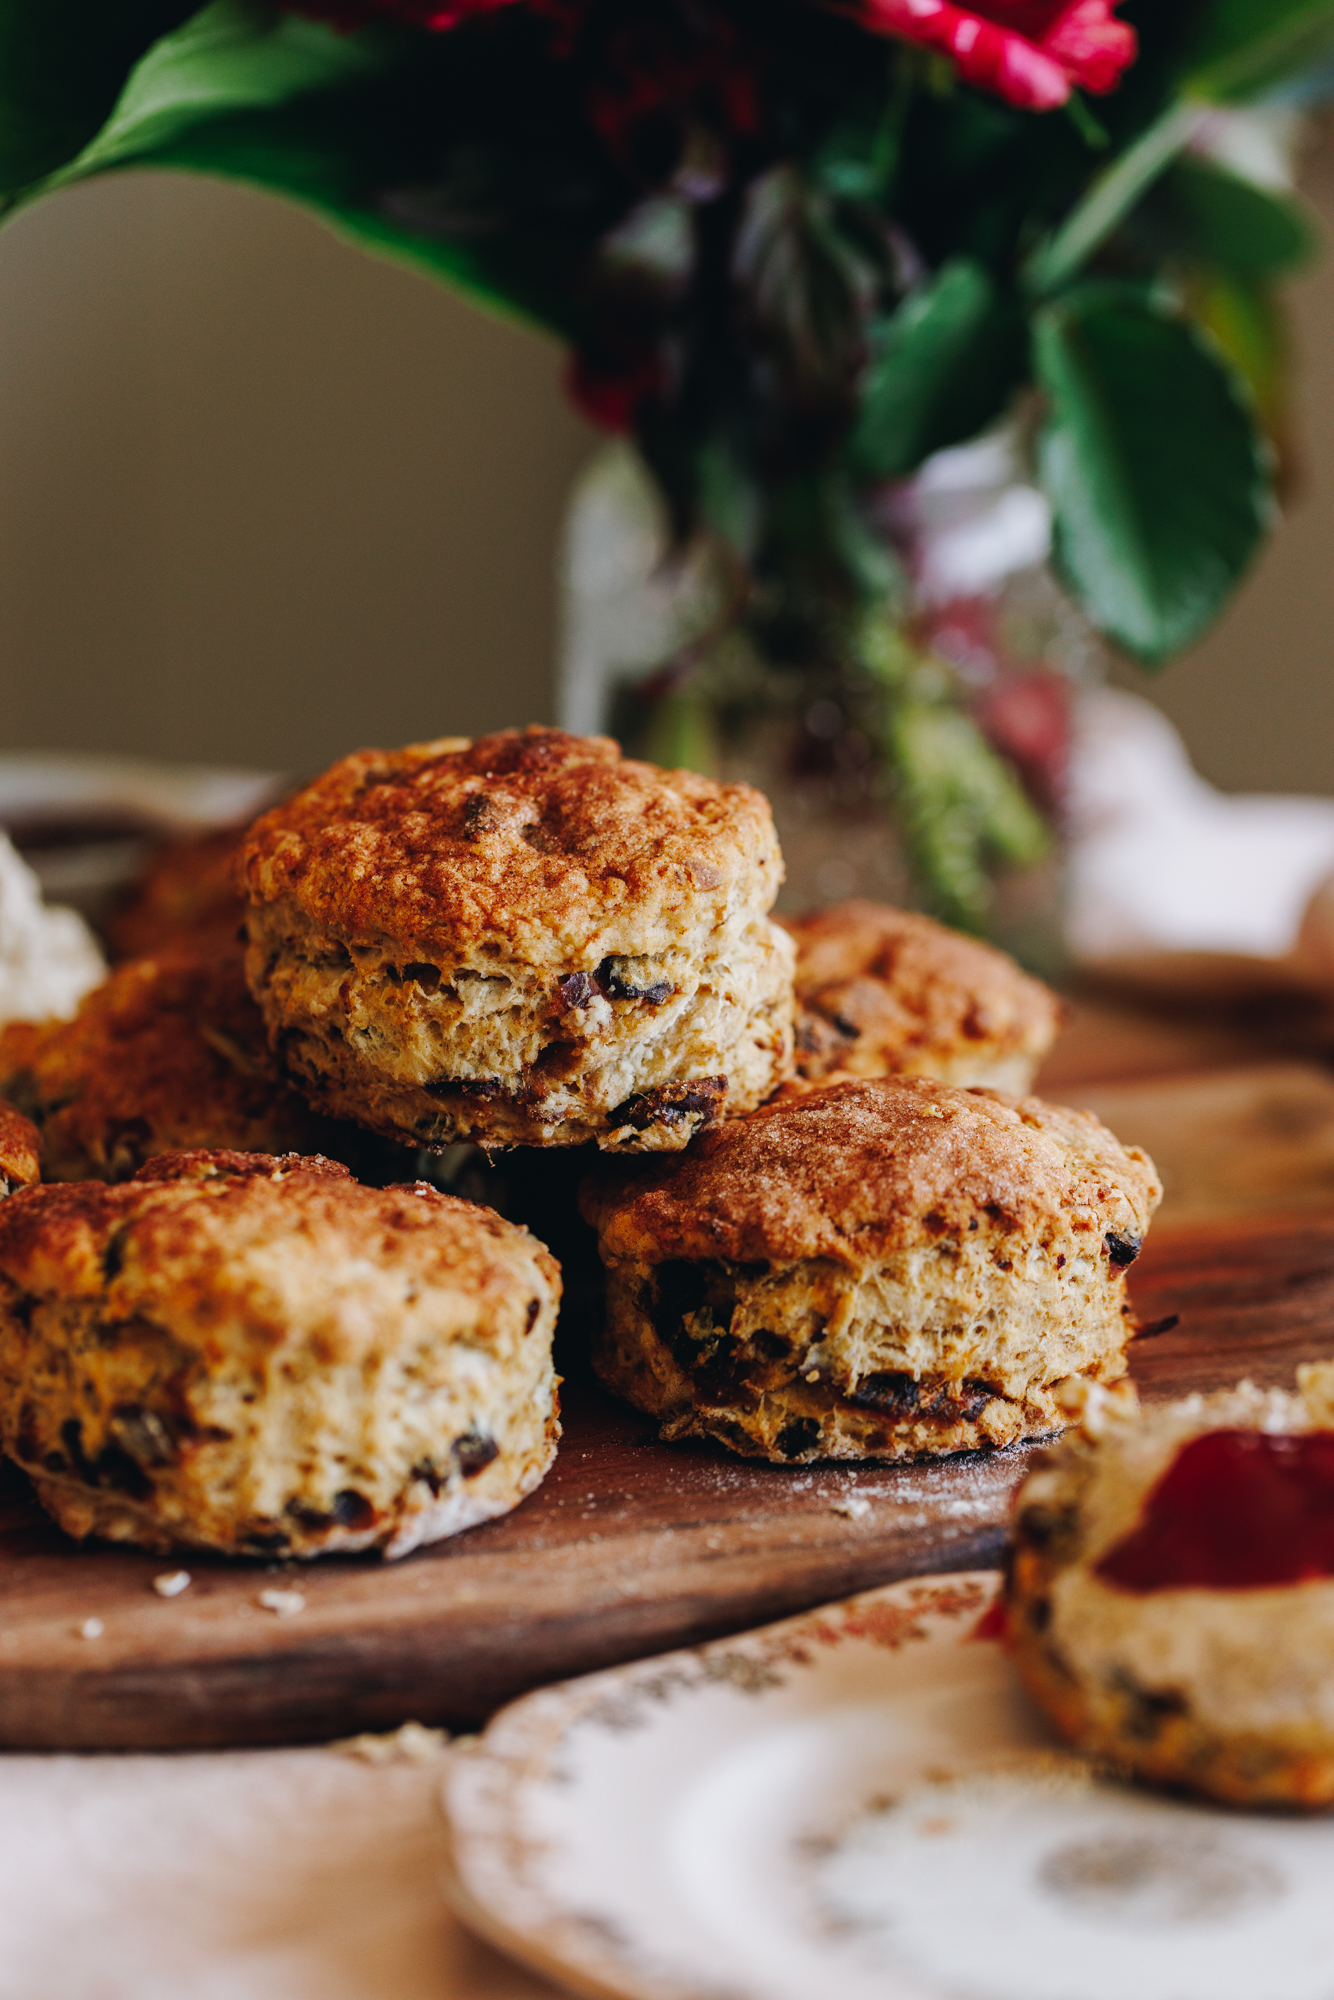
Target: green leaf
1114, 193
1217, 218
306, 152
231, 57
1243, 47
1153, 464
291, 106
942, 367
63, 65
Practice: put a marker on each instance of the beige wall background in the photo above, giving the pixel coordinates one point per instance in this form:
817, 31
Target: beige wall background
263, 499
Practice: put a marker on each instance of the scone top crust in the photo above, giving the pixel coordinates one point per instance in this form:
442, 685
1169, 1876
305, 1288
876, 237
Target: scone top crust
531, 845
893, 992
20, 1150
862, 1169
225, 1247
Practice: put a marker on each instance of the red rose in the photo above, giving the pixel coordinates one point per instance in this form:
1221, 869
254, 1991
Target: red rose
1031, 52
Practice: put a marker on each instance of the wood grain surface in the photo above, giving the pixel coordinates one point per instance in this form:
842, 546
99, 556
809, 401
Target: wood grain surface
629, 1548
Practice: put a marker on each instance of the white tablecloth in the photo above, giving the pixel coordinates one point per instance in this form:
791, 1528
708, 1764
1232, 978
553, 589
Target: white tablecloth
245, 1875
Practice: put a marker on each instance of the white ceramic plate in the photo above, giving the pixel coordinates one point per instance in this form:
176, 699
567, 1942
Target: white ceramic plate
860, 1804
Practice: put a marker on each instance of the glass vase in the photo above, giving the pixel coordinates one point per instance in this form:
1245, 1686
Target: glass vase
880, 768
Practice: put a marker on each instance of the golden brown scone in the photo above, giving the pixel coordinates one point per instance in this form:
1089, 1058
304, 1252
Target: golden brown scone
885, 992
187, 894
169, 1052
1170, 1601
20, 1151
876, 1269
261, 1356
523, 940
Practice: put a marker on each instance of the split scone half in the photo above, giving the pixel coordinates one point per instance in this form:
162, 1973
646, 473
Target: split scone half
885, 1268
169, 1053
261, 1356
523, 940
1171, 1592
885, 992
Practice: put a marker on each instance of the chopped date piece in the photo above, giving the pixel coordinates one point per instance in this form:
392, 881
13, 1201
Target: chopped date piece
801, 1435
898, 1395
480, 1086
352, 1509
1122, 1249
672, 1103
474, 1452
576, 990
617, 988
479, 816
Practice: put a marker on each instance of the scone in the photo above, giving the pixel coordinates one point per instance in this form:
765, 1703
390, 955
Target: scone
1171, 1591
20, 1151
187, 894
523, 940
169, 1052
884, 992
886, 1268
261, 1356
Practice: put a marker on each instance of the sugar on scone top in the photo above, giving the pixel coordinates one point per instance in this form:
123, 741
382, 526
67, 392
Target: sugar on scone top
523, 939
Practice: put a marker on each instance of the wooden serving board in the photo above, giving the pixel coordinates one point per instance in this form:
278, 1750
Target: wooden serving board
629, 1548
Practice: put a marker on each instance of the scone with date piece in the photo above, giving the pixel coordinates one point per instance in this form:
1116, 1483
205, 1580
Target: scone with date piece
523, 940
261, 1356
1171, 1592
169, 1052
885, 992
886, 1268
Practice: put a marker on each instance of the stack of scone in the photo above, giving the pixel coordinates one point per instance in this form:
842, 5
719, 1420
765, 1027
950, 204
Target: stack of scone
529, 941
525, 939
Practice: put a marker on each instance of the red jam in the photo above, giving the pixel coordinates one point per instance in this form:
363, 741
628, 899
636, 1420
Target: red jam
1235, 1510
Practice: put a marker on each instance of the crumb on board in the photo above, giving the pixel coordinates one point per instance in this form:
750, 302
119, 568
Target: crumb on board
172, 1582
413, 1743
853, 1506
91, 1628
284, 1603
